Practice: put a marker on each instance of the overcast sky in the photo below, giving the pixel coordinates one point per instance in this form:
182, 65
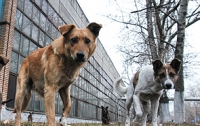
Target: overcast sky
95, 11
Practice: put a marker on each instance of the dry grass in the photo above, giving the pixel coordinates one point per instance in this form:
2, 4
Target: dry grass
88, 124
24, 124
74, 124
97, 124
184, 124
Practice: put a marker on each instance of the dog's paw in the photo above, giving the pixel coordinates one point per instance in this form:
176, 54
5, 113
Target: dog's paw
127, 123
139, 114
63, 121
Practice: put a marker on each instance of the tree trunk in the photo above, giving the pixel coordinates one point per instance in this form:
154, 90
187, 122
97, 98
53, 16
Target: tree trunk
152, 44
179, 108
164, 108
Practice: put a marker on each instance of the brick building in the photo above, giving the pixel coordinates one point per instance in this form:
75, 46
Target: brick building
26, 25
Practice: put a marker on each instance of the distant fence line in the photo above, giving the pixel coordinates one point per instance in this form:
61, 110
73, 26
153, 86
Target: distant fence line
172, 99
188, 99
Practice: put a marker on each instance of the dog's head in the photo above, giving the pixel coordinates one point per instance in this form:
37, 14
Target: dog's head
3, 61
104, 111
166, 74
80, 43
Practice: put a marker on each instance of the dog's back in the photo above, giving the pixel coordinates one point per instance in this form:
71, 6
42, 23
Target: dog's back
147, 88
145, 76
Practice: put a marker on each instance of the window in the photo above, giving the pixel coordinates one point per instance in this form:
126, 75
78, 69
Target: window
2, 4
20, 4
42, 21
32, 47
16, 41
21, 59
38, 2
28, 8
48, 41
48, 28
24, 46
41, 38
18, 20
14, 62
26, 27
44, 6
12, 90
36, 15
35, 32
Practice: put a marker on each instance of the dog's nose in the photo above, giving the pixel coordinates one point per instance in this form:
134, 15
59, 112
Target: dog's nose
168, 86
80, 56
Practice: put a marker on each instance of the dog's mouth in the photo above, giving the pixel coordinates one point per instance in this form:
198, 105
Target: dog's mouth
80, 60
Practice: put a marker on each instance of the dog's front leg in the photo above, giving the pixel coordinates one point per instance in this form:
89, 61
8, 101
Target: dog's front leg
129, 102
65, 96
49, 101
154, 109
145, 112
137, 107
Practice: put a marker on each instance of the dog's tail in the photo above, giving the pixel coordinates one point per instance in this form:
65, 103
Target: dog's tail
119, 88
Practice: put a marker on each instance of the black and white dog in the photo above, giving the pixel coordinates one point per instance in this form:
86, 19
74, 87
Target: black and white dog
146, 87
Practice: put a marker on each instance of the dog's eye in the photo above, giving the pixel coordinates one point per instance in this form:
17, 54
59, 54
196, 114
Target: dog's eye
74, 40
171, 75
162, 75
87, 41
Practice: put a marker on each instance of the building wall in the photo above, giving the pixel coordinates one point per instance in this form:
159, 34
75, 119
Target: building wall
6, 36
34, 24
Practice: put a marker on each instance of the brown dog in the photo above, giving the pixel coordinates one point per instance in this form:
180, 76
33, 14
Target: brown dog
54, 68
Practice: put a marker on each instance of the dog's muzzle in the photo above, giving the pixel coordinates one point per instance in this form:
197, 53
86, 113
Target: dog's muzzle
80, 57
168, 86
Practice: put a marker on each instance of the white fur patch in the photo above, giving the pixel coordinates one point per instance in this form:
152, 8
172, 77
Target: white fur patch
44, 56
55, 51
168, 80
63, 121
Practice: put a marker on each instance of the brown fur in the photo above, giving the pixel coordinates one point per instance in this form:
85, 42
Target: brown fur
160, 70
135, 79
54, 68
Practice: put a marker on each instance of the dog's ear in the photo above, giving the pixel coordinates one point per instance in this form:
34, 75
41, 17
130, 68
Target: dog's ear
94, 28
176, 64
64, 29
157, 64
3, 60
102, 107
106, 107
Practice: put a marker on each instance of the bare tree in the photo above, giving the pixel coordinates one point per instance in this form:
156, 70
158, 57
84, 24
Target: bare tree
151, 31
